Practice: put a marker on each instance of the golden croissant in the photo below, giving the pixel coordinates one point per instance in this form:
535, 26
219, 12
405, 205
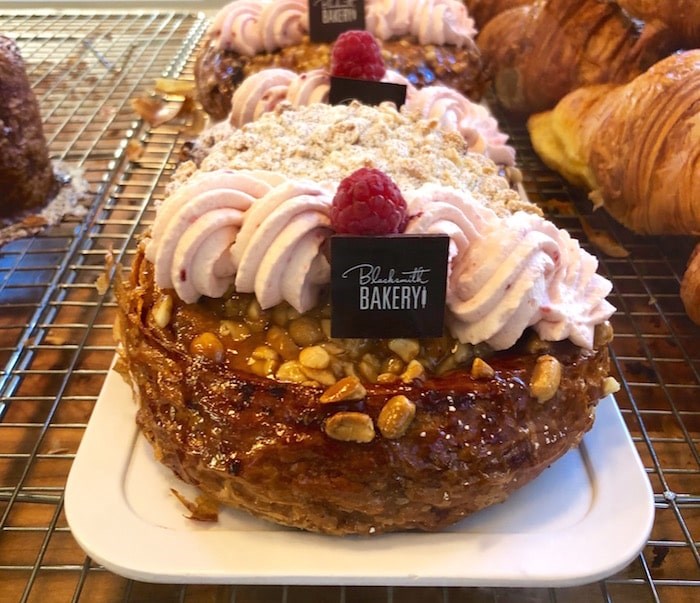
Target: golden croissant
482, 11
682, 16
635, 146
538, 53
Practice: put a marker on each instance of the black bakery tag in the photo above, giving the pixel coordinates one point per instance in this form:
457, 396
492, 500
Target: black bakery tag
391, 286
329, 18
344, 89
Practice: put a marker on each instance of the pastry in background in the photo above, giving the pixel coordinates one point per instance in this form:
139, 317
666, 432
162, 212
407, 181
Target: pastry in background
27, 179
681, 16
635, 146
482, 11
426, 41
265, 90
536, 54
35, 192
690, 286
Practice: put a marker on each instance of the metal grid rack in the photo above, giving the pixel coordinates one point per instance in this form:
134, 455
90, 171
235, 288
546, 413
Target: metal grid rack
56, 344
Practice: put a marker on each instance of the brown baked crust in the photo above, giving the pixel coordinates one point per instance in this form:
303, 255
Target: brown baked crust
218, 73
537, 53
690, 286
259, 444
26, 176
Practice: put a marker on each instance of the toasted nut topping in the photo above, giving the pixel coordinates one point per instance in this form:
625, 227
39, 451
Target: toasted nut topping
535, 345
323, 376
348, 388
350, 427
413, 371
387, 378
396, 416
315, 357
280, 341
291, 372
603, 334
163, 311
264, 352
462, 352
235, 330
481, 369
610, 386
263, 368
546, 377
368, 371
406, 349
306, 331
207, 345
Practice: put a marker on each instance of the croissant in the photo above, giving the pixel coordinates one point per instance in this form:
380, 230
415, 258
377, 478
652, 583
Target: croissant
538, 53
482, 11
636, 146
690, 286
682, 16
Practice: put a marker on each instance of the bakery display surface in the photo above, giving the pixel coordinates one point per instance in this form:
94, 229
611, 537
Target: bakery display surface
596, 499
56, 348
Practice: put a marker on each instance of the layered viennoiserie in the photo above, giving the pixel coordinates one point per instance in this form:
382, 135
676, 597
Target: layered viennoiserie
427, 42
537, 53
635, 146
224, 333
681, 16
27, 179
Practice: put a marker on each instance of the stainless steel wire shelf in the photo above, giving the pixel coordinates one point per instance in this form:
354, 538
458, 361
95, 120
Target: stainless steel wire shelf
56, 343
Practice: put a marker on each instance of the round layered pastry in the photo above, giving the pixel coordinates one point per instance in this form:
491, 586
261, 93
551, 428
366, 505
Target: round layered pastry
427, 41
225, 324
27, 178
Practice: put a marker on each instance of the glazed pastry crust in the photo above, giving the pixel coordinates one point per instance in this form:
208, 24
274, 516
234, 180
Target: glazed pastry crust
690, 286
260, 445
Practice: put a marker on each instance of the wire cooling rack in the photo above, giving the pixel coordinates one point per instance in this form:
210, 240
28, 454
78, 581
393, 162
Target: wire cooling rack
56, 342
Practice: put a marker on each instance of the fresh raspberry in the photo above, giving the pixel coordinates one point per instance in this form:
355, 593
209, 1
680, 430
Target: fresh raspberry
356, 54
368, 203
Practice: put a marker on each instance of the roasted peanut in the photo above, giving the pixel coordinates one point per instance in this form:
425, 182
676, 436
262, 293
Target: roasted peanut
387, 377
235, 330
406, 349
306, 331
291, 372
545, 379
280, 341
535, 345
350, 427
348, 388
413, 371
603, 334
162, 311
395, 417
315, 357
208, 346
610, 386
322, 376
481, 369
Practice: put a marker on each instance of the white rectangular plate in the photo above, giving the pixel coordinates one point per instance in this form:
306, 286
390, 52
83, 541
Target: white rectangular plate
584, 518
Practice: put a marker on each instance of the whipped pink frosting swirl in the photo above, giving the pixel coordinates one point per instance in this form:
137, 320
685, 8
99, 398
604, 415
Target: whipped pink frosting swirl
526, 273
277, 252
264, 233
251, 26
255, 229
195, 228
264, 90
455, 112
